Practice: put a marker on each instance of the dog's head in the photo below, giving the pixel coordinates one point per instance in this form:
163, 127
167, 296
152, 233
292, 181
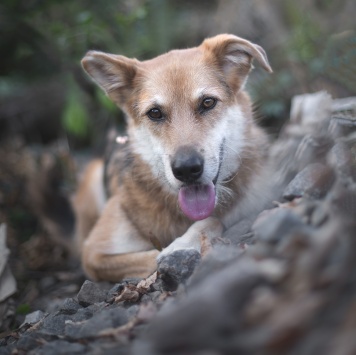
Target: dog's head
188, 117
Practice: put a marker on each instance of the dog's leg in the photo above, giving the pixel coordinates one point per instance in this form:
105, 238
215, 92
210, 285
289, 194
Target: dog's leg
115, 250
119, 266
210, 227
89, 201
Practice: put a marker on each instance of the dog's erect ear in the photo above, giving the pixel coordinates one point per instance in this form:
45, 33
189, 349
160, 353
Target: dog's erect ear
113, 73
234, 55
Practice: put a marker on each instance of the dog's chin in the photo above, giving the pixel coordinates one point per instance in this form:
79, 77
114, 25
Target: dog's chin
197, 201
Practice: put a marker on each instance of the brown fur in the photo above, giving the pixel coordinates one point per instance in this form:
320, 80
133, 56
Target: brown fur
142, 206
84, 203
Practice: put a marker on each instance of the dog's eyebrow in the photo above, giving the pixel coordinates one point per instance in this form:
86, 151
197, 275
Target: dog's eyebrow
207, 91
149, 103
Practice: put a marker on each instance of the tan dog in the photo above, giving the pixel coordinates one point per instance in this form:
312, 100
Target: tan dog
191, 154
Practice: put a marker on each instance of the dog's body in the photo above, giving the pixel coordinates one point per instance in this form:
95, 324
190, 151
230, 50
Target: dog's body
192, 152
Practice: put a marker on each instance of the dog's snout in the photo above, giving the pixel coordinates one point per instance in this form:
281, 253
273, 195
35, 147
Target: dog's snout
187, 164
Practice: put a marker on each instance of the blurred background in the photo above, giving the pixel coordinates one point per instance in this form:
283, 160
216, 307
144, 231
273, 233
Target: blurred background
44, 94
51, 112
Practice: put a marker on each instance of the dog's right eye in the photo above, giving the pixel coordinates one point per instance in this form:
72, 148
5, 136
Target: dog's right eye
155, 114
207, 104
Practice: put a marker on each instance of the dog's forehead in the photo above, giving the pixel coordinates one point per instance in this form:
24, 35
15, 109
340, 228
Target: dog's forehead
177, 57
179, 73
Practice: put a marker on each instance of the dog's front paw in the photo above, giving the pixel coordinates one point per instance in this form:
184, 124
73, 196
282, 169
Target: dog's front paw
179, 244
176, 267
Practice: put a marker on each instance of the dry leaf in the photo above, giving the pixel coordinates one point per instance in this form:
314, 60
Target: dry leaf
133, 293
144, 285
205, 245
120, 333
128, 294
290, 204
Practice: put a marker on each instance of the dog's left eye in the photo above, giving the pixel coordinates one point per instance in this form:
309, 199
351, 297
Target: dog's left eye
155, 114
208, 103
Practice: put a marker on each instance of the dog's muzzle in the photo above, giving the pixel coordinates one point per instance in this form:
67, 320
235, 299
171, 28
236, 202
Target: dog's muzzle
196, 200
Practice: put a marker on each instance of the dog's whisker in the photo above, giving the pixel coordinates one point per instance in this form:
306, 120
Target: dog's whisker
232, 149
231, 179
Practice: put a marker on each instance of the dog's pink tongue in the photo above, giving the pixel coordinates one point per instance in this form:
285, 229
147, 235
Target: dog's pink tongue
197, 201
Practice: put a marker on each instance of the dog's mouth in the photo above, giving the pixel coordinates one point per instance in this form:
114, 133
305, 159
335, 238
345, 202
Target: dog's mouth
197, 201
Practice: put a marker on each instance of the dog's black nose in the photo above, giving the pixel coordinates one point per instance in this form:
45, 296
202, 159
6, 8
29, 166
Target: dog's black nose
187, 164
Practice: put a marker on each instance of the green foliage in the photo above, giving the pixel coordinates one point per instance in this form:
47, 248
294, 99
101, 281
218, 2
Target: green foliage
19, 218
48, 39
339, 60
45, 36
23, 309
75, 117
311, 58
302, 45
105, 102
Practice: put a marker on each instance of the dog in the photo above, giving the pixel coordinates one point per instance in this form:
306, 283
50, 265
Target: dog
191, 153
